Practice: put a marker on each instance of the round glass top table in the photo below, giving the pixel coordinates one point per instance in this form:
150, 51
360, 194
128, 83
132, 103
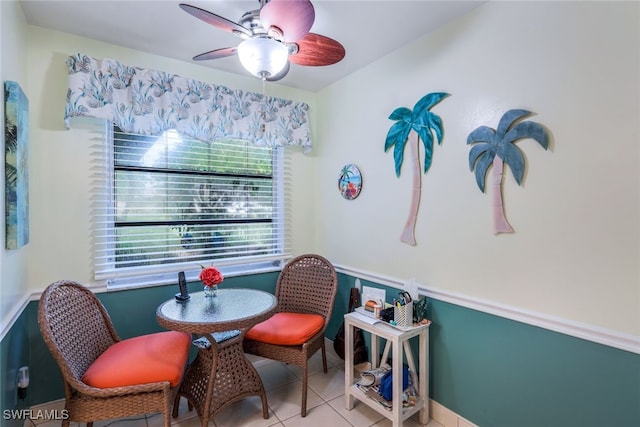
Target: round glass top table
229, 309
220, 373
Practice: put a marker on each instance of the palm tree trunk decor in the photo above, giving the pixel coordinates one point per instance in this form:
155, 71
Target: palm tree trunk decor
500, 223
424, 123
495, 148
408, 233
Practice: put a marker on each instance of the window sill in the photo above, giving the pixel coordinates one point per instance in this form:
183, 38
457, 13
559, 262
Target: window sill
151, 280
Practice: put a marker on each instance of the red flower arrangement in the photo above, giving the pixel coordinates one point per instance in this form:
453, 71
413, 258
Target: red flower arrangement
211, 276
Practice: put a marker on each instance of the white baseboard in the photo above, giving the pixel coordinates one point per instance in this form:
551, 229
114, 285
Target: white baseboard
446, 417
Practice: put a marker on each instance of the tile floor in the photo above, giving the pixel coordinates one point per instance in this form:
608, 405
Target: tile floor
325, 402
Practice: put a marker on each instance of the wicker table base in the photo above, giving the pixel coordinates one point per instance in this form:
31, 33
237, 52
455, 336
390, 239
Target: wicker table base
235, 379
221, 373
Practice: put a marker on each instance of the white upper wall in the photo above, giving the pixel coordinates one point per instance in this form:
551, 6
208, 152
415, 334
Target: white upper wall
575, 251
13, 263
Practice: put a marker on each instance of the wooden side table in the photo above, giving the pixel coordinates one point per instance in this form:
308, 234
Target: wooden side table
398, 339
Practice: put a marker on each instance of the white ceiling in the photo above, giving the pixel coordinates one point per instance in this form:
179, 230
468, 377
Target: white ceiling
368, 29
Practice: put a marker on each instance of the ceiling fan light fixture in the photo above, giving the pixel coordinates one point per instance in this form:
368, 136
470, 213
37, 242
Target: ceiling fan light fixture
263, 57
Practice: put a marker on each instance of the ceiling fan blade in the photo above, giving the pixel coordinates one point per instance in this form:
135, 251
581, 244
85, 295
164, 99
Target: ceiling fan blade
316, 50
293, 18
281, 74
215, 54
215, 20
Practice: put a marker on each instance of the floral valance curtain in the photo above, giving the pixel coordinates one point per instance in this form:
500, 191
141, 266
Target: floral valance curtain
149, 102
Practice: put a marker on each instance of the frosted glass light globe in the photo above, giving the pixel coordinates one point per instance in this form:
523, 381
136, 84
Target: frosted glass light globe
263, 57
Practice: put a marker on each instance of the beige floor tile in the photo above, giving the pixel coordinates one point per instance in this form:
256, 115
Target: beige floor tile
275, 375
314, 365
246, 412
259, 361
333, 359
188, 422
157, 420
322, 415
408, 423
183, 413
432, 423
329, 385
134, 421
285, 400
385, 422
411, 422
40, 423
360, 416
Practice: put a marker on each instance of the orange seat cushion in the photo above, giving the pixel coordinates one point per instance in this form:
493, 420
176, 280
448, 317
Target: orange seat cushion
145, 359
287, 328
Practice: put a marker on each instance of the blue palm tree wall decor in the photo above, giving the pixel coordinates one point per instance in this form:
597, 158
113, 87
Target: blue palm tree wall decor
411, 126
495, 148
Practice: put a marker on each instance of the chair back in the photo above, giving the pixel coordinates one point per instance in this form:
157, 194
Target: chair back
75, 326
307, 284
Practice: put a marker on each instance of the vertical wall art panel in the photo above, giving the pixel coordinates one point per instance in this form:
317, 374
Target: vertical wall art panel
16, 134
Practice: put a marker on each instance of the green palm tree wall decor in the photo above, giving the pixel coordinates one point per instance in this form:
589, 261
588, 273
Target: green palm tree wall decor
345, 174
424, 124
495, 148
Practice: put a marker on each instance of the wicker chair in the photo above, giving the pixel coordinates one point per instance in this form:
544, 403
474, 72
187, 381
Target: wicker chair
308, 285
78, 330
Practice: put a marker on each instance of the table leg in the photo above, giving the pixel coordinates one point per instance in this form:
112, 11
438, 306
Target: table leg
412, 365
385, 353
397, 383
195, 384
375, 352
423, 389
348, 363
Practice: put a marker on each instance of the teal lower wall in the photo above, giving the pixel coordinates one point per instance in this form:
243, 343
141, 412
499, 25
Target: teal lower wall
14, 353
498, 372
490, 370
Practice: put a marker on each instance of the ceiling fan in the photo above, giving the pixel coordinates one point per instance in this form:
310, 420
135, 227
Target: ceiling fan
273, 36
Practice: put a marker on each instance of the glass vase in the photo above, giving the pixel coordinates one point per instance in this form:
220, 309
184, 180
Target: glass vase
210, 291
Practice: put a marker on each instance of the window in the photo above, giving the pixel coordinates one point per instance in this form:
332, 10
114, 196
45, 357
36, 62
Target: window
172, 204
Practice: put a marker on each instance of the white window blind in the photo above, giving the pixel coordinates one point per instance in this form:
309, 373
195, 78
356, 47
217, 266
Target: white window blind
164, 204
